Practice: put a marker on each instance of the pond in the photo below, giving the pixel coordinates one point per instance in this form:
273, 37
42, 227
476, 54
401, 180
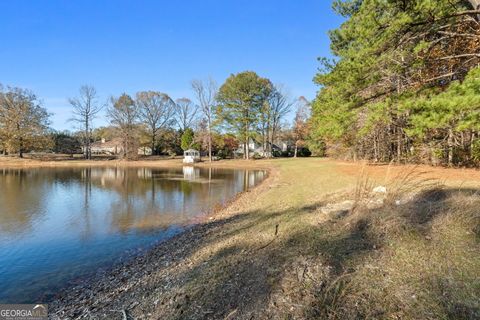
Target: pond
58, 225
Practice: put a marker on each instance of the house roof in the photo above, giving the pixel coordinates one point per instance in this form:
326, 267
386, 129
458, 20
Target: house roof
115, 142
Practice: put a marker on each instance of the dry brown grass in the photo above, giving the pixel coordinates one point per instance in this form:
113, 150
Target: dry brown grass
448, 176
418, 259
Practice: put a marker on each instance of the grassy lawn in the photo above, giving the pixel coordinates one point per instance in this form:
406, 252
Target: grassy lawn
282, 256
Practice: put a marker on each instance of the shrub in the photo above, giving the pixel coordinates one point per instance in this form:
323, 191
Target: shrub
257, 156
304, 152
476, 151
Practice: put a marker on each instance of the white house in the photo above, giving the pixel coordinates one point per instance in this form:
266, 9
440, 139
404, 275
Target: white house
115, 147
256, 147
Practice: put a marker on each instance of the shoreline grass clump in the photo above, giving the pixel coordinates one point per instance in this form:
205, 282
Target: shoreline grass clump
420, 260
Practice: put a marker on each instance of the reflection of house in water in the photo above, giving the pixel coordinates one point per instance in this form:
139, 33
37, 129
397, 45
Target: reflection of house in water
113, 174
102, 174
144, 173
191, 173
251, 178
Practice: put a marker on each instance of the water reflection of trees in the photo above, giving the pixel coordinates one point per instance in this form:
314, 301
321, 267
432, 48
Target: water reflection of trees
21, 199
153, 199
157, 198
138, 198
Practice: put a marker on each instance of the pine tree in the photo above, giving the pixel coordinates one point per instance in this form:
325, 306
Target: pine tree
388, 53
241, 99
188, 140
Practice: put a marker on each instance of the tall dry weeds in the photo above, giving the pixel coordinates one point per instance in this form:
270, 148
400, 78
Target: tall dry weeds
420, 253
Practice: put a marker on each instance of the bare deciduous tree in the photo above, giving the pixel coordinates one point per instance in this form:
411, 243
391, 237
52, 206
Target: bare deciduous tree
123, 114
85, 108
206, 93
273, 110
300, 124
156, 110
280, 105
185, 113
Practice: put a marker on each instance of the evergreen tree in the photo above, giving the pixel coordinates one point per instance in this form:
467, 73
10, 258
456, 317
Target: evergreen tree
188, 140
451, 118
388, 53
241, 99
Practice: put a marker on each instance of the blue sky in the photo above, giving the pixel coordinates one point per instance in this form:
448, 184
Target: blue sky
53, 47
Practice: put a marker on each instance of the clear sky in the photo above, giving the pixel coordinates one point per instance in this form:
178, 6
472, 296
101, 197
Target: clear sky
53, 47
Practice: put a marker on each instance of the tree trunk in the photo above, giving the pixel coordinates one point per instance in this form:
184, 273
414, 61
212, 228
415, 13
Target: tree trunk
268, 145
272, 138
209, 141
472, 140
247, 147
399, 145
450, 147
264, 143
153, 144
244, 149
20, 150
210, 147
87, 139
296, 150
124, 152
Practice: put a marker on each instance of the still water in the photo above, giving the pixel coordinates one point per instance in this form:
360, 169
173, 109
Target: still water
59, 225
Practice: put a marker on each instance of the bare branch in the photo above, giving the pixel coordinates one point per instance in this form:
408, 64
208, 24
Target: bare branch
185, 113
85, 108
156, 111
206, 94
458, 56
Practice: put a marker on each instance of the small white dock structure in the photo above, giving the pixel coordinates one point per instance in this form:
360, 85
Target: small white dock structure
191, 156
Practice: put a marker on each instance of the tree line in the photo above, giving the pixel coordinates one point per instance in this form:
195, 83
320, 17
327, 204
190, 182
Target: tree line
404, 84
223, 118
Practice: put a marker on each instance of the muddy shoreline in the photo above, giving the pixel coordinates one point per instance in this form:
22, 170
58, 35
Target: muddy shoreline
17, 163
102, 294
